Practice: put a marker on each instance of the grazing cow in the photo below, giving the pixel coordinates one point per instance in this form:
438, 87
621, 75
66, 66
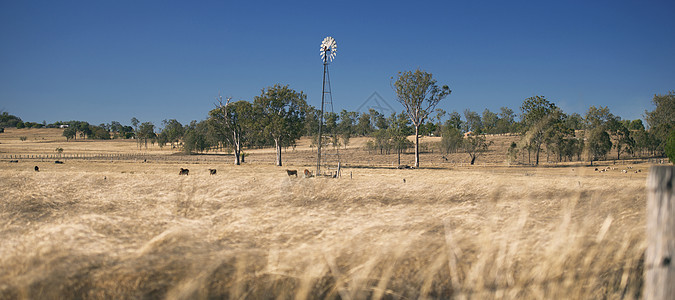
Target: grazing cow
308, 173
58, 162
37, 169
184, 172
404, 167
596, 169
624, 171
292, 172
212, 171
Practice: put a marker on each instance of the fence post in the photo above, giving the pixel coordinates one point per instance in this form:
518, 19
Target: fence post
660, 269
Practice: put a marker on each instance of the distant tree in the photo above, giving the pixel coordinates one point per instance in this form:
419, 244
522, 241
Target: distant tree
382, 140
282, 115
377, 119
330, 132
505, 121
597, 117
135, 122
84, 129
599, 144
398, 132
312, 121
451, 139
476, 145
428, 129
490, 121
455, 120
557, 135
195, 138
473, 122
173, 131
364, 127
99, 133
146, 132
623, 141
418, 93
346, 127
7, 120
574, 121
69, 133
537, 115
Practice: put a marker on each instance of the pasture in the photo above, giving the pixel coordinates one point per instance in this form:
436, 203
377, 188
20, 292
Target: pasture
99, 229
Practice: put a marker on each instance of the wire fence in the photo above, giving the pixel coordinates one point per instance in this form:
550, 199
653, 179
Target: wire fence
144, 157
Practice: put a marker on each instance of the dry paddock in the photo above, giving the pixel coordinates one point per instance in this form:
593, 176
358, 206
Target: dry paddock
123, 229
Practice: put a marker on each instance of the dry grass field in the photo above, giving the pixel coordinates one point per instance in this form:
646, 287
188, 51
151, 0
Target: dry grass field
100, 229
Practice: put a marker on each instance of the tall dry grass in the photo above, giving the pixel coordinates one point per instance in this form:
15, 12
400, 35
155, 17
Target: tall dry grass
252, 232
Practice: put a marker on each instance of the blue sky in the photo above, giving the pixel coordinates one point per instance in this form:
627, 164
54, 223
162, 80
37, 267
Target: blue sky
100, 61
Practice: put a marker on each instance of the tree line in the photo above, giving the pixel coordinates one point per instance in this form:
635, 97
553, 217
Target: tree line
279, 116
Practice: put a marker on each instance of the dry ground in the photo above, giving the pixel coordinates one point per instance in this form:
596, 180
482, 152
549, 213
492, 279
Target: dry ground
122, 229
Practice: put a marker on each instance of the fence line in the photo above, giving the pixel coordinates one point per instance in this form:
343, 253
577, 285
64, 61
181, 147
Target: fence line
115, 157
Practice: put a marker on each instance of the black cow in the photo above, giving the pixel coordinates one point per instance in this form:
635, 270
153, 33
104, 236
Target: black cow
37, 169
212, 171
184, 172
292, 172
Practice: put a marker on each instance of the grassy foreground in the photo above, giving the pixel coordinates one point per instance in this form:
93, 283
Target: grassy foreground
101, 230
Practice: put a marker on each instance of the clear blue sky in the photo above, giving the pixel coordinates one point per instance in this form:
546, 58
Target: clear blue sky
100, 61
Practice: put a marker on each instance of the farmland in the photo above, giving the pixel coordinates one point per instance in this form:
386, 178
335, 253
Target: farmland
133, 228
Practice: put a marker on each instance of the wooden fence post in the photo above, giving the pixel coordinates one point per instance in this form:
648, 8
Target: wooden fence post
659, 265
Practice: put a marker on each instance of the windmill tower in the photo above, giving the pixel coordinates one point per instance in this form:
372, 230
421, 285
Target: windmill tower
328, 51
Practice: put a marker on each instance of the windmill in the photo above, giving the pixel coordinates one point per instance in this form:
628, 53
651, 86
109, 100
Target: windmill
328, 51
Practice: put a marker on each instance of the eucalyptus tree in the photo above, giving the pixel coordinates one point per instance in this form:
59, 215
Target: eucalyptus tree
537, 116
599, 144
146, 132
473, 122
173, 131
282, 114
363, 126
419, 94
475, 146
455, 120
233, 122
490, 121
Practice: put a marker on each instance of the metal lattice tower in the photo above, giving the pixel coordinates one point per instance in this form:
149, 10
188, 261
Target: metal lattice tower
328, 51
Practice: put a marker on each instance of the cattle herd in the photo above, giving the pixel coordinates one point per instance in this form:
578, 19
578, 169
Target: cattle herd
186, 172
625, 171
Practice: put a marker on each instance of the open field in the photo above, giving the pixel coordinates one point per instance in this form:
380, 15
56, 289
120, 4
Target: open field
99, 229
